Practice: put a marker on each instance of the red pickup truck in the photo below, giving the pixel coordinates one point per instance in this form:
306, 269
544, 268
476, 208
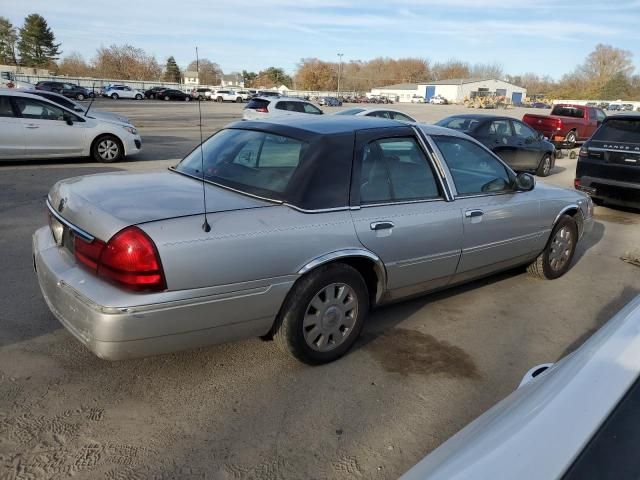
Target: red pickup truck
567, 125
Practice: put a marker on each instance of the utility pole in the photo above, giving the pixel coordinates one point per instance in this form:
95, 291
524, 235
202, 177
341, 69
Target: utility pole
339, 71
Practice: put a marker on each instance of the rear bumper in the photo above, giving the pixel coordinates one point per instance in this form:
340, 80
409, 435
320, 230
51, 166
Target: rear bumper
617, 192
131, 331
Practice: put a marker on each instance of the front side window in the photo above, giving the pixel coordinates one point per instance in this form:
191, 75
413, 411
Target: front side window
37, 110
308, 108
256, 162
464, 124
523, 131
396, 169
474, 170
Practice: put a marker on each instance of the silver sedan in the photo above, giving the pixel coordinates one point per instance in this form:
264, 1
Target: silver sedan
310, 222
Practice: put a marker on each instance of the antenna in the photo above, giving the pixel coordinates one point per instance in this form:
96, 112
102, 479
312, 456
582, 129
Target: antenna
93, 89
205, 226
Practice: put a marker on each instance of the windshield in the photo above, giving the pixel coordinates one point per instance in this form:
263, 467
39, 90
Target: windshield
254, 162
619, 130
458, 123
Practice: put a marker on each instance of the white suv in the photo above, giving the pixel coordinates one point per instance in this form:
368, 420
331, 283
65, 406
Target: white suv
122, 91
227, 96
260, 108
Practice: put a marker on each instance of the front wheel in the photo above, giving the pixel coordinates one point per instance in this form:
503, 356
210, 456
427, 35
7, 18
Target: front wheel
107, 149
219, 99
80, 96
555, 259
323, 314
187, 99
115, 96
138, 97
545, 166
570, 140
167, 98
239, 100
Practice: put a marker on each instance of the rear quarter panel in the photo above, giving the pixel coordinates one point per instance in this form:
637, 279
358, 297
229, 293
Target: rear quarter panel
259, 244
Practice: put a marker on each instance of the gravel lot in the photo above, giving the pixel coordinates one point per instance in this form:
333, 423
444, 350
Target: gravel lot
422, 370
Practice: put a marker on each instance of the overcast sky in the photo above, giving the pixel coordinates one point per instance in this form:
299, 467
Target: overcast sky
543, 36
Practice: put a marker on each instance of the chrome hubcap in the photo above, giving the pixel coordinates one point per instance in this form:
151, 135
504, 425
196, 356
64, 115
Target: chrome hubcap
330, 317
108, 149
547, 165
560, 250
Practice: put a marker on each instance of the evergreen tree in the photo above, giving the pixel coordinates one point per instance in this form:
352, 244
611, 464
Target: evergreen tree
172, 71
37, 45
8, 40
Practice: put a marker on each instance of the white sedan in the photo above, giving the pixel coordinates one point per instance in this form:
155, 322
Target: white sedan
378, 112
33, 127
122, 91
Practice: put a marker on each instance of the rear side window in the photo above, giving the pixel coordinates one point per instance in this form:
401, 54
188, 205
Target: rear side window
5, 107
619, 130
257, 103
459, 123
308, 108
288, 106
565, 111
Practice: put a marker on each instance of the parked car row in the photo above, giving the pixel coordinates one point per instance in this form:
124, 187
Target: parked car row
67, 89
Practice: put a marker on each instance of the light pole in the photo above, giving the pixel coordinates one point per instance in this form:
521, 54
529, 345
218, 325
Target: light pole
339, 71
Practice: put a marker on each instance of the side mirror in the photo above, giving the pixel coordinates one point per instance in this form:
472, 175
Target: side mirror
529, 140
68, 119
525, 182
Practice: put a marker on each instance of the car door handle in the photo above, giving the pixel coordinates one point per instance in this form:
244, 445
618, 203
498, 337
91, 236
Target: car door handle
473, 213
382, 225
31, 125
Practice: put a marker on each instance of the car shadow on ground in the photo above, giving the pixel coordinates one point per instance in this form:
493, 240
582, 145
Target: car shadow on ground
589, 240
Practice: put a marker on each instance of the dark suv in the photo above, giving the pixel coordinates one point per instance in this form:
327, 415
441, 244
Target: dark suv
67, 89
609, 162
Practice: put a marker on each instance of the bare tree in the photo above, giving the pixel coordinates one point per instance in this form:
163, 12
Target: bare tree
126, 62
210, 72
75, 65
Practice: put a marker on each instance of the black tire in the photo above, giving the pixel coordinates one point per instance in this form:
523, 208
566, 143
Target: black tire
79, 96
187, 98
96, 147
544, 169
138, 97
115, 96
570, 140
239, 100
542, 267
167, 98
219, 99
289, 329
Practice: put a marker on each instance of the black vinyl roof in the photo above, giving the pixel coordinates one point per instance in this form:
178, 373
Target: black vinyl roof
317, 124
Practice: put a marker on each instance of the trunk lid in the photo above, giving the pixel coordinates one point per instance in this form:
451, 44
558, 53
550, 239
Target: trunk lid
105, 203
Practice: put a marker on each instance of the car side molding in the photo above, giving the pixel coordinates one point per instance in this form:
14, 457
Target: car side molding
379, 267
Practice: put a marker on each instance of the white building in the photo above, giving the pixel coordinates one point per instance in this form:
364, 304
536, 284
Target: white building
191, 78
457, 89
233, 79
454, 90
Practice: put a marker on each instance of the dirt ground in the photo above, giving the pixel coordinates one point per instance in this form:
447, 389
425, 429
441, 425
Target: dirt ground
422, 370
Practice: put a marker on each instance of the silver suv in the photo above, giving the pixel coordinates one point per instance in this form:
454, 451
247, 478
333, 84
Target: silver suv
260, 108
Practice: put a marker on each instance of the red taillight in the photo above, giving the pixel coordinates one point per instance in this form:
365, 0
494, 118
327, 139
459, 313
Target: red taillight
262, 110
88, 253
130, 258
558, 124
576, 183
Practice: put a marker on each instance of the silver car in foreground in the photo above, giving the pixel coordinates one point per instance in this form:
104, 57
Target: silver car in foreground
310, 222
577, 419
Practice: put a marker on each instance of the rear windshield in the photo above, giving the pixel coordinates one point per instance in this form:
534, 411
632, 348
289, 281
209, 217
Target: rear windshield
256, 103
350, 111
459, 123
619, 130
564, 111
250, 161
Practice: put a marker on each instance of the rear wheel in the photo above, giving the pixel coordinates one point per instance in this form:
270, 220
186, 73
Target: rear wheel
138, 97
167, 98
239, 100
107, 149
323, 314
187, 98
79, 96
555, 259
545, 166
115, 96
570, 139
